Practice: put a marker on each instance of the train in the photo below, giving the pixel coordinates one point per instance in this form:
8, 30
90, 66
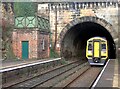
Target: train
97, 51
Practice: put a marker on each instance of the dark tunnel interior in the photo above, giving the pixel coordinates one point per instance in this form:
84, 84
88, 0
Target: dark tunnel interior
75, 40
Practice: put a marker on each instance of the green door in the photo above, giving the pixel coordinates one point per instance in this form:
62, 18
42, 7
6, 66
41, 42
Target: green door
25, 49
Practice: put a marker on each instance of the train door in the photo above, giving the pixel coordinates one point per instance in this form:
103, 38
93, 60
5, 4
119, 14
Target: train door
96, 49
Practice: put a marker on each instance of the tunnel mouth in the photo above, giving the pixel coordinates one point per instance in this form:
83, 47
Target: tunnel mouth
74, 43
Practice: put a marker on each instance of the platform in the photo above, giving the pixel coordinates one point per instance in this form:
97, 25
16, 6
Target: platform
110, 75
22, 63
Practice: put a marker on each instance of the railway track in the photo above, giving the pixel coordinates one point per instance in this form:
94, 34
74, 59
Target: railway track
74, 74
60, 78
40, 80
85, 79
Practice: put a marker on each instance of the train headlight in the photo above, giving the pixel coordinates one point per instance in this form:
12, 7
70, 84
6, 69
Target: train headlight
89, 52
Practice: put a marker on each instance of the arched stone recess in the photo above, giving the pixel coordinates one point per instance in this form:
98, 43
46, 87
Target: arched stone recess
70, 51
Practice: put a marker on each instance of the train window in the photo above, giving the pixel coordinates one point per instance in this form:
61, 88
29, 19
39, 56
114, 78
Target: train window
103, 46
90, 41
90, 47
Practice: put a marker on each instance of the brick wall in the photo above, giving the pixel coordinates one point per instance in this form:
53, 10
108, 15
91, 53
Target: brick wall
34, 39
43, 45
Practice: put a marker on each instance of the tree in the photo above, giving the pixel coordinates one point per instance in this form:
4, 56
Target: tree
7, 52
25, 8
7, 28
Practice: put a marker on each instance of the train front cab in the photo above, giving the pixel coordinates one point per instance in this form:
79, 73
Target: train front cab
97, 51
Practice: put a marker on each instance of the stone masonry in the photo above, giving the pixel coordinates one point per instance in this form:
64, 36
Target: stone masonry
68, 11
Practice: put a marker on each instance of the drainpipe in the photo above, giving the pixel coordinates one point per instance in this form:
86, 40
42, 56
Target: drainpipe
55, 27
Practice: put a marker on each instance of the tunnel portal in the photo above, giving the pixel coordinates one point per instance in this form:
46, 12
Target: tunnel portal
74, 41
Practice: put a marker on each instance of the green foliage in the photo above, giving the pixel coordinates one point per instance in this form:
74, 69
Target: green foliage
7, 52
25, 8
53, 54
63, 61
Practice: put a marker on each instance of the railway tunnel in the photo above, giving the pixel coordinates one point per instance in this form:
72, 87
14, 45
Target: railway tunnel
74, 41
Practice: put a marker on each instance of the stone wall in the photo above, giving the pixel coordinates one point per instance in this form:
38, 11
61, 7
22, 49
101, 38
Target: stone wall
67, 12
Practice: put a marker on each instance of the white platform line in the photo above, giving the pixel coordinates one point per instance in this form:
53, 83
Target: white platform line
31, 64
98, 78
115, 79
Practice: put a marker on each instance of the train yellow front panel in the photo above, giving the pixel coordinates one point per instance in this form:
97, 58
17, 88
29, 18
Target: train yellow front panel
96, 49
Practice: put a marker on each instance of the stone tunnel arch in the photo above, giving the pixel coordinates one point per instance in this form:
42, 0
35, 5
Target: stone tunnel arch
74, 36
